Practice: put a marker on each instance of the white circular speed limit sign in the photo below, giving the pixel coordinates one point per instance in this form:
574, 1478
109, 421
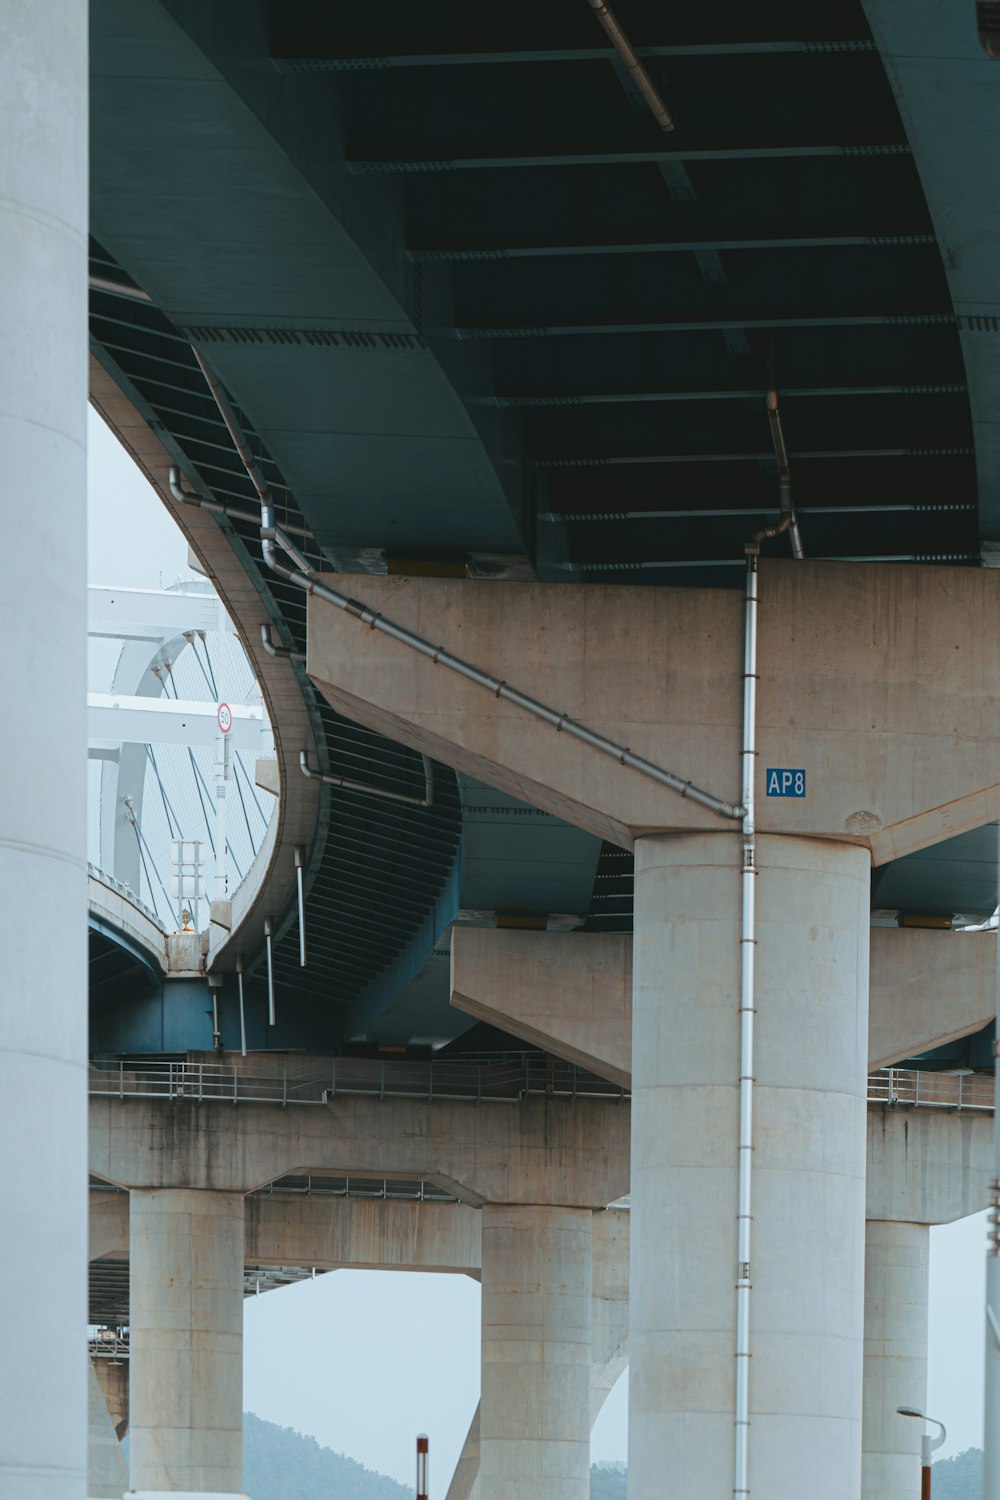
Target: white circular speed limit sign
225, 718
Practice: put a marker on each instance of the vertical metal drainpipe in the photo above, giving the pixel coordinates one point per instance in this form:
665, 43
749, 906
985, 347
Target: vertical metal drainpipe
991, 1412
748, 943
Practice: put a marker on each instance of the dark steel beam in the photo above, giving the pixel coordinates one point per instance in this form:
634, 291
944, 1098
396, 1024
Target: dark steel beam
705, 325
762, 456
297, 58
568, 518
724, 151
746, 393
515, 251
652, 565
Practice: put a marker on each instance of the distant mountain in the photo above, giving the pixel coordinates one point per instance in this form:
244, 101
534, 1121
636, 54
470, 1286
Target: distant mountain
279, 1464
959, 1478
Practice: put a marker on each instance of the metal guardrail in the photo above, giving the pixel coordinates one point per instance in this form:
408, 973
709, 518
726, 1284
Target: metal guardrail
908, 1088
301, 1083
488, 1083
112, 883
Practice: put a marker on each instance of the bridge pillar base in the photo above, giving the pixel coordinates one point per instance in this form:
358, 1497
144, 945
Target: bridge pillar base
808, 1167
896, 1271
186, 1337
534, 1437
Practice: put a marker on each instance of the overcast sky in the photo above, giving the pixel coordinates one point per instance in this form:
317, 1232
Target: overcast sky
364, 1360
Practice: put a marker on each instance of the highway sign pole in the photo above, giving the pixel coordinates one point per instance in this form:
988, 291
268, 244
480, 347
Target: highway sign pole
423, 1460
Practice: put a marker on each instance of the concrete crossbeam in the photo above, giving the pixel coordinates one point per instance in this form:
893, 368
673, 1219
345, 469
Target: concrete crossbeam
571, 992
927, 1166
865, 675
295, 1229
535, 1151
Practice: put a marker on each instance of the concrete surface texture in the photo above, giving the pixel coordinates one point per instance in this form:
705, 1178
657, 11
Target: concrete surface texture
293, 1229
112, 1377
106, 1471
808, 1208
43, 873
927, 1166
895, 1365
186, 1274
881, 672
534, 1438
571, 992
537, 1151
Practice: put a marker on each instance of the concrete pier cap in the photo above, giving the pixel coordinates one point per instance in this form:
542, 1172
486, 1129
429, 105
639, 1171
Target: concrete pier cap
869, 680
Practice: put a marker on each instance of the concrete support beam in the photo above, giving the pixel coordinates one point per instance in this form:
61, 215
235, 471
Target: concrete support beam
186, 1272
927, 1166
534, 1440
294, 1229
571, 992
107, 1475
867, 703
928, 988
808, 1167
536, 1151
365, 1234
895, 1370
43, 837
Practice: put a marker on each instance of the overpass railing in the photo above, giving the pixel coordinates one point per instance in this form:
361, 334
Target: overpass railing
302, 1083
908, 1088
506, 1083
112, 883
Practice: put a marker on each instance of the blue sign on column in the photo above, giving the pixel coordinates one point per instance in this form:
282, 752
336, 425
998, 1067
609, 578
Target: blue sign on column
784, 782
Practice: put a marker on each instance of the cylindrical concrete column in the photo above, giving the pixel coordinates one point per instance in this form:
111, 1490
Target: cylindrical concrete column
43, 979
534, 1425
896, 1272
807, 1258
186, 1339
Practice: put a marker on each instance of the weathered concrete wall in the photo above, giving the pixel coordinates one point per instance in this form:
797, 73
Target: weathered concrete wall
867, 680
536, 1151
571, 992
927, 1166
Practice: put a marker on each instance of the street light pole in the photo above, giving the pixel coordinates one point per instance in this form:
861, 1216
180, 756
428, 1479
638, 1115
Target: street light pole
927, 1446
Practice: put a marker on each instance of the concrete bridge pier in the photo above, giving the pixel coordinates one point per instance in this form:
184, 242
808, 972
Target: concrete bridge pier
534, 1429
186, 1334
808, 1157
925, 1167
43, 877
896, 1271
